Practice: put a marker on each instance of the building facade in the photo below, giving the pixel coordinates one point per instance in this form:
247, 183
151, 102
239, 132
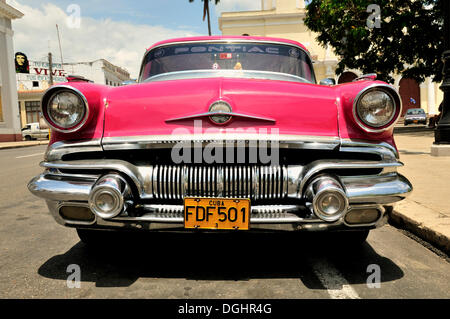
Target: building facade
99, 71
284, 19
9, 113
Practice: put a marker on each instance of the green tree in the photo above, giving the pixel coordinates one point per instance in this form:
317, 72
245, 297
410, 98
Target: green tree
206, 12
407, 39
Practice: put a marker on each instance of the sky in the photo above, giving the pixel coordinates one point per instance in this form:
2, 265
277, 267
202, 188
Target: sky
118, 31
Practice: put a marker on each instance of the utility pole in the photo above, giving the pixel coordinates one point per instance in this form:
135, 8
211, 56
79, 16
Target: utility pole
60, 48
50, 67
441, 144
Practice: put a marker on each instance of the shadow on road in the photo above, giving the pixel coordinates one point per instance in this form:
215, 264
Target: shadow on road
215, 257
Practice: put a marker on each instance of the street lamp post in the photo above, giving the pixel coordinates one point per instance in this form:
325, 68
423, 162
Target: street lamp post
442, 132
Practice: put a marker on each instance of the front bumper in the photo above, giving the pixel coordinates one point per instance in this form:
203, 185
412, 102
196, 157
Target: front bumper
69, 184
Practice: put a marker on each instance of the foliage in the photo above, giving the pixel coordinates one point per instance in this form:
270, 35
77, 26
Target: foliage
410, 40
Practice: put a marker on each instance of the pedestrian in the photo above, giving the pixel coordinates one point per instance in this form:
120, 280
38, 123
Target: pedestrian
434, 120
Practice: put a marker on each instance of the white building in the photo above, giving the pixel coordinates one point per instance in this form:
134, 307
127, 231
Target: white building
99, 71
9, 112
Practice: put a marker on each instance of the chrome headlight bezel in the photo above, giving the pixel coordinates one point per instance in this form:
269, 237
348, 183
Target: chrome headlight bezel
396, 100
48, 97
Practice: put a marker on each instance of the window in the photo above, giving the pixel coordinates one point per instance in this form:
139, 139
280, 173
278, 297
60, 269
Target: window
415, 111
233, 58
33, 110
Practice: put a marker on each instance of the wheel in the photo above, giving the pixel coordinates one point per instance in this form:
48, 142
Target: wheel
28, 138
405, 124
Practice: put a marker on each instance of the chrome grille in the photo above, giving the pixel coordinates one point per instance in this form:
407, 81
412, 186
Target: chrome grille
255, 182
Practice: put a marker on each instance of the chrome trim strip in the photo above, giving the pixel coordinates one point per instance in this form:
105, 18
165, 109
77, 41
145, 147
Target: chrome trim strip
167, 141
267, 214
57, 150
208, 114
385, 150
368, 76
241, 74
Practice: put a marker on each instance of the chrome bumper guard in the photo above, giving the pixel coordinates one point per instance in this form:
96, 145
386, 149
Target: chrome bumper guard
61, 189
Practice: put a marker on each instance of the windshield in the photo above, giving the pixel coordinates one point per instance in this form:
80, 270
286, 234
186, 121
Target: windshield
416, 111
237, 57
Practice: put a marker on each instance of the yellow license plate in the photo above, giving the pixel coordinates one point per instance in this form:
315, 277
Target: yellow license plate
416, 121
216, 213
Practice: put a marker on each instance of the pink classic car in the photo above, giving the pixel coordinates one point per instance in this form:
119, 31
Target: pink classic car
222, 134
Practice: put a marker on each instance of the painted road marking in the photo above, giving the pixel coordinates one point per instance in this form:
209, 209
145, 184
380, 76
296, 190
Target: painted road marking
30, 155
332, 280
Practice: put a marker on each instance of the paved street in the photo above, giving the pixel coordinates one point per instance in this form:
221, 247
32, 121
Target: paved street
35, 253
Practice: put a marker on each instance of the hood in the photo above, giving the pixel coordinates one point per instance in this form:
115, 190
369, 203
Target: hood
275, 106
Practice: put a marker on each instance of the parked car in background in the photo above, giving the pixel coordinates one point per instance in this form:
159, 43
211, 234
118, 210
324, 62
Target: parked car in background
34, 131
415, 116
298, 156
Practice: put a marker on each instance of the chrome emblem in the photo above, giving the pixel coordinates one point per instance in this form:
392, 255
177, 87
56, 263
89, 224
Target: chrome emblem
220, 107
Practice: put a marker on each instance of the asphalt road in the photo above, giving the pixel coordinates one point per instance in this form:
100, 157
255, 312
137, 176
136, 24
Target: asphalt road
35, 253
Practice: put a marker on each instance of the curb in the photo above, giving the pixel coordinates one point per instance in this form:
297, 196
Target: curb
425, 229
5, 147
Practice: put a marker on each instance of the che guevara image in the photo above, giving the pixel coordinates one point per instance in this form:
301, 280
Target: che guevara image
22, 65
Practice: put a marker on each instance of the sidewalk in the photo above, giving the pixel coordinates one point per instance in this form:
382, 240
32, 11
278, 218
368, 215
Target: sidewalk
426, 212
6, 145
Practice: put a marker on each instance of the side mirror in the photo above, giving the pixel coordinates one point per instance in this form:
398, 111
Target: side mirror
328, 81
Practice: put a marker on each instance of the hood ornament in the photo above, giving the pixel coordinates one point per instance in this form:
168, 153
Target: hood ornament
220, 107
220, 112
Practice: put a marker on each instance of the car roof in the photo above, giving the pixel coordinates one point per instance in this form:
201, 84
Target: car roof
233, 37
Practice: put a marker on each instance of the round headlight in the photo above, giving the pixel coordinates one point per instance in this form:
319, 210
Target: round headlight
65, 109
376, 108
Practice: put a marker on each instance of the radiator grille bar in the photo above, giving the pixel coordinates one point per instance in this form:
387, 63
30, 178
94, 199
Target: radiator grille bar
255, 182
